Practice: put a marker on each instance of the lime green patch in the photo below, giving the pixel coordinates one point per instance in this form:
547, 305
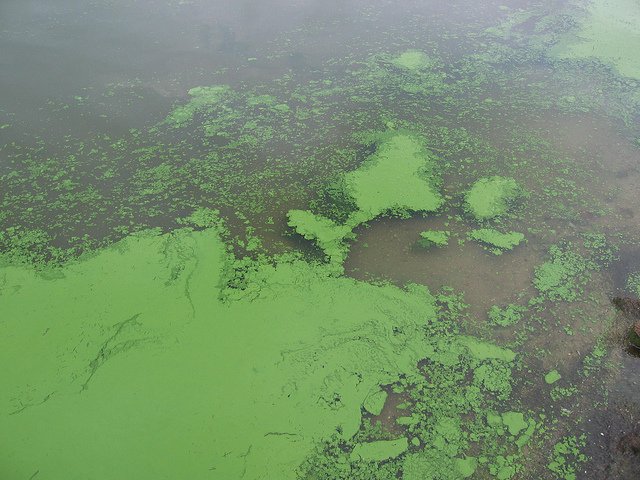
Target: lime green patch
201, 97
552, 377
397, 178
507, 316
515, 422
381, 450
497, 241
431, 238
374, 403
491, 197
567, 456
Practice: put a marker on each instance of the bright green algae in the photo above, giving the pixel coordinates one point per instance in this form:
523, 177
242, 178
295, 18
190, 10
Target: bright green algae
159, 363
380, 450
552, 377
400, 178
201, 97
491, 197
430, 238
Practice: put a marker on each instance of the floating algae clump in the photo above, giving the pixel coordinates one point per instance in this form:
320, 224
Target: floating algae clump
491, 197
399, 178
380, 450
154, 354
562, 277
633, 283
507, 316
430, 238
327, 235
552, 377
201, 97
498, 240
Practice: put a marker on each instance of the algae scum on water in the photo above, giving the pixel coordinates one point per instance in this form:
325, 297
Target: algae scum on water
195, 298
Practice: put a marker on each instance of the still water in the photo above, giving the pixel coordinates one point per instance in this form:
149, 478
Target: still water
319, 240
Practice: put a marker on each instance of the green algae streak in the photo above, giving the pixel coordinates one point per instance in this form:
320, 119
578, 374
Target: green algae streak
430, 238
498, 240
491, 197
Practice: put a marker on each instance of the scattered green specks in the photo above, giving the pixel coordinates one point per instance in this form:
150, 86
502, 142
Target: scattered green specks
497, 242
633, 283
562, 277
567, 456
491, 197
380, 450
552, 377
507, 316
201, 97
432, 238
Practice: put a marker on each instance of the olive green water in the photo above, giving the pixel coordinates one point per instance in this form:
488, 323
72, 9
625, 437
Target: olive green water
372, 240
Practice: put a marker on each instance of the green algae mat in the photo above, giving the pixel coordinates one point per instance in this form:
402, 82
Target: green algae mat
409, 254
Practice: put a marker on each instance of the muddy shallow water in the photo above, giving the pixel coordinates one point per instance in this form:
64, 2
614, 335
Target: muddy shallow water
210, 231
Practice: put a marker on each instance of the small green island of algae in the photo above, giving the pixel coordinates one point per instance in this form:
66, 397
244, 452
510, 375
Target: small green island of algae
497, 242
430, 238
162, 363
399, 178
491, 197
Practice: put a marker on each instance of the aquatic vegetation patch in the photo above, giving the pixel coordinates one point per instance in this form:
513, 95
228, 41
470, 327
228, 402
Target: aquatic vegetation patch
380, 450
491, 197
564, 275
430, 238
506, 316
327, 235
289, 369
497, 242
413, 60
552, 377
633, 283
400, 178
610, 32
201, 97
567, 456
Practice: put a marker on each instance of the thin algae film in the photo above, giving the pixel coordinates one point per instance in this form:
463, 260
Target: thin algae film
369, 240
